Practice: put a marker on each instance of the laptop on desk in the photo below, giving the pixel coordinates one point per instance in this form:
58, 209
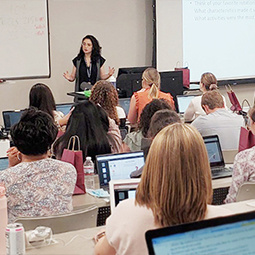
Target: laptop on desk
10, 118
183, 102
64, 108
124, 103
216, 159
117, 166
225, 235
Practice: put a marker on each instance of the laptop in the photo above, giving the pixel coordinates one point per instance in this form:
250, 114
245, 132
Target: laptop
122, 189
183, 102
4, 163
225, 235
216, 159
10, 118
117, 166
65, 108
124, 103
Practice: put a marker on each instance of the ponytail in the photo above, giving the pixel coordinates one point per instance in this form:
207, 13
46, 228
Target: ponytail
153, 93
213, 87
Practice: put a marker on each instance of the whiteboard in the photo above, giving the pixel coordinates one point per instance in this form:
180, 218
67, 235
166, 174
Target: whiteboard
24, 39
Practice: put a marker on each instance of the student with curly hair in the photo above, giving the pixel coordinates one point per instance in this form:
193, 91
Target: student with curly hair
104, 94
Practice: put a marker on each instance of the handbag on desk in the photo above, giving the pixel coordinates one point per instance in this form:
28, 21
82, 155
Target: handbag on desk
185, 74
75, 157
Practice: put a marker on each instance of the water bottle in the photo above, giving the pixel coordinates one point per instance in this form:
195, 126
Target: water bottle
3, 220
89, 173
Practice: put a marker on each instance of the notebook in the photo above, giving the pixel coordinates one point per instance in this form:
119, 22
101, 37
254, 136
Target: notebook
183, 102
4, 162
124, 103
65, 108
117, 166
122, 189
10, 118
216, 159
225, 235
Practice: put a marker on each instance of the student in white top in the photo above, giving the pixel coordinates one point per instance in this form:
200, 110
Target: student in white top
208, 82
175, 188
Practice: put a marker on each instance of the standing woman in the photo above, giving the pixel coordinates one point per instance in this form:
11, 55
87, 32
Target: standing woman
88, 65
150, 90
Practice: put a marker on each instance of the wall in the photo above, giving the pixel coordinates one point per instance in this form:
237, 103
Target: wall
123, 28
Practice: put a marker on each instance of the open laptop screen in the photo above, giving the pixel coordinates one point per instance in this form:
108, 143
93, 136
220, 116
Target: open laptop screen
11, 117
124, 103
118, 166
226, 235
65, 108
214, 151
183, 102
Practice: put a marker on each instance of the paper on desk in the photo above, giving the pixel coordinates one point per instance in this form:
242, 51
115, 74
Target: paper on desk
98, 193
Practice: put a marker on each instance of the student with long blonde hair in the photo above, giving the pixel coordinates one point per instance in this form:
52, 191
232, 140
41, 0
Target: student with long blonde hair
175, 188
150, 90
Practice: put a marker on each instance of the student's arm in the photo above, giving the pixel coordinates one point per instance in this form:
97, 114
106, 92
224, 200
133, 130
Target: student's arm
70, 77
132, 114
103, 247
189, 113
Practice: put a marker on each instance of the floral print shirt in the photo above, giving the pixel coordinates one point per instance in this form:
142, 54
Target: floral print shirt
39, 188
244, 171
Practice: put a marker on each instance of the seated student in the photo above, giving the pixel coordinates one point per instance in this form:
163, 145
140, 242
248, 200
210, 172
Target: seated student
219, 121
41, 97
91, 124
208, 82
244, 165
150, 90
159, 120
35, 184
132, 141
104, 94
175, 188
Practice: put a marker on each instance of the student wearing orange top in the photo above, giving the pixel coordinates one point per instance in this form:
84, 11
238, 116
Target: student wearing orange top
150, 90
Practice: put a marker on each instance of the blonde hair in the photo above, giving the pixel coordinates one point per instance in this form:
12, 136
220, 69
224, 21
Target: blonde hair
176, 180
213, 99
209, 80
152, 77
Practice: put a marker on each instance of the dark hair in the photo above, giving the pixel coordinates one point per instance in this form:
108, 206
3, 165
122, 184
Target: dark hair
34, 133
148, 111
40, 96
96, 49
104, 93
161, 119
91, 125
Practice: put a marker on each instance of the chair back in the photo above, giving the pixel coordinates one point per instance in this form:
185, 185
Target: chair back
75, 220
246, 191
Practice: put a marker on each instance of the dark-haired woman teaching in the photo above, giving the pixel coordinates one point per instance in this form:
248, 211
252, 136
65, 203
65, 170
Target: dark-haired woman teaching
88, 65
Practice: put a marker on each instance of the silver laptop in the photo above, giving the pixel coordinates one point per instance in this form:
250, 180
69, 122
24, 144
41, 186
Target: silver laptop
117, 166
124, 103
183, 102
122, 189
4, 162
216, 159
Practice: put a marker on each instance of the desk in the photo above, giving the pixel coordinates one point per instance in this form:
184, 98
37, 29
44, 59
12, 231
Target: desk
240, 207
81, 244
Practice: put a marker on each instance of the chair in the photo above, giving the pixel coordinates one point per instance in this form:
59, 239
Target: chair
78, 219
246, 191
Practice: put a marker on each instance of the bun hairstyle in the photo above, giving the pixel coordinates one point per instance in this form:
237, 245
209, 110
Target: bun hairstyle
209, 81
152, 77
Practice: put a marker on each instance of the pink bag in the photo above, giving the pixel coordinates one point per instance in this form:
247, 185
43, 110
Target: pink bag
185, 74
247, 139
76, 159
